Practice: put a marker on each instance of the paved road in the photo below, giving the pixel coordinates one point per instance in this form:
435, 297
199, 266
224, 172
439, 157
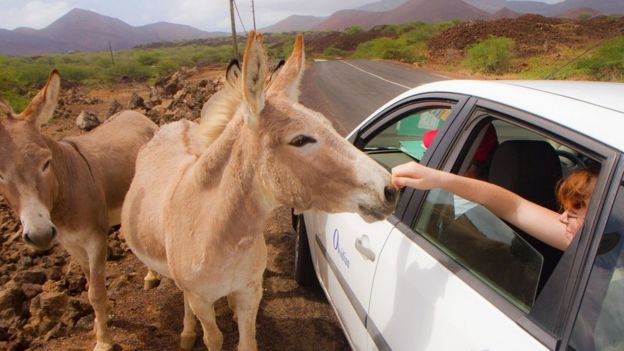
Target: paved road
347, 91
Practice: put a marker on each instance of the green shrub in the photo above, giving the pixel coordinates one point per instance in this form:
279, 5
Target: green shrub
491, 55
148, 59
332, 53
128, 70
607, 63
354, 30
386, 48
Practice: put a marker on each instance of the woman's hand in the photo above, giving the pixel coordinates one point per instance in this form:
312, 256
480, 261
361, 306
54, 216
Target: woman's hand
416, 176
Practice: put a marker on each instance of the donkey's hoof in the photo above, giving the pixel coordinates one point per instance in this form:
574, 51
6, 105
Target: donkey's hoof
150, 283
104, 346
187, 341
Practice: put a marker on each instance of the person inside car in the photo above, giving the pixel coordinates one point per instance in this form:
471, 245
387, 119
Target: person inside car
557, 230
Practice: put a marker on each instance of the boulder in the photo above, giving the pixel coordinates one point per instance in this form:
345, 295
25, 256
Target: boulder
87, 120
136, 102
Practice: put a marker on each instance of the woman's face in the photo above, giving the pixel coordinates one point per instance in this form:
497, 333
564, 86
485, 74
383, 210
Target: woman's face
573, 220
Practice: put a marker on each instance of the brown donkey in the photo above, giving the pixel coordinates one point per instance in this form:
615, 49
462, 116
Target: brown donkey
70, 190
202, 193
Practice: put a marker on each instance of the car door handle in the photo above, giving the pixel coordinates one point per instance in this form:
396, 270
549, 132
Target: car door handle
361, 244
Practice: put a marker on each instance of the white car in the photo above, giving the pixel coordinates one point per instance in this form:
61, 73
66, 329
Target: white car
442, 273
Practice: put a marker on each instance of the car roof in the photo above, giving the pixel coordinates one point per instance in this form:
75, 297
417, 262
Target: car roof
595, 109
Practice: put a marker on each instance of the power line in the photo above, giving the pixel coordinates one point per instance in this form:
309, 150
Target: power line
239, 17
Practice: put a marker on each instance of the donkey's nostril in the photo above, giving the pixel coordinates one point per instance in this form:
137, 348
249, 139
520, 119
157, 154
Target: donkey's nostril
27, 239
390, 193
53, 234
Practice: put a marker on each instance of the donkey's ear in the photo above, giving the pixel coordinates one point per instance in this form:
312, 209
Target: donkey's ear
288, 80
233, 73
274, 73
42, 106
5, 110
254, 75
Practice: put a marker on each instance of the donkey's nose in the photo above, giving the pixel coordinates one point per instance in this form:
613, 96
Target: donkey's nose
390, 193
40, 240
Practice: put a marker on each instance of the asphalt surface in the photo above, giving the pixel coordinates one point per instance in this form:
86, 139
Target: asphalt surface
348, 91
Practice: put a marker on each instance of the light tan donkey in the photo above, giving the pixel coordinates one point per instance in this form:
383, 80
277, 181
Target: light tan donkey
202, 194
71, 190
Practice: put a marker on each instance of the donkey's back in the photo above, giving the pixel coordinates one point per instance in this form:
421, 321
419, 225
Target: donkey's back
111, 150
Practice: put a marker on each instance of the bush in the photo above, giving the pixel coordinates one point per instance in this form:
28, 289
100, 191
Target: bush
332, 53
148, 59
607, 63
354, 30
386, 48
491, 55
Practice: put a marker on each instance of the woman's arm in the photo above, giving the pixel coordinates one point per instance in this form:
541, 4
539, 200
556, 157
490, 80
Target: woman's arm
538, 221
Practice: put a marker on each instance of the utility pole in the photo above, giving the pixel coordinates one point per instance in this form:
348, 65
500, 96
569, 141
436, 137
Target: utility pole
110, 49
253, 13
233, 29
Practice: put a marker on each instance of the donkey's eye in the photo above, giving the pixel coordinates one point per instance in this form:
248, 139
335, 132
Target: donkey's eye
301, 140
46, 165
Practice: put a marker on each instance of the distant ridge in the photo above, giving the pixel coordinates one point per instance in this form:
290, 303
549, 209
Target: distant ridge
544, 9
382, 5
83, 30
294, 23
410, 11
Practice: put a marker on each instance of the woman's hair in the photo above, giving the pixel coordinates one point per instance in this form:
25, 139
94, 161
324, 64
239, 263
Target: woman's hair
575, 190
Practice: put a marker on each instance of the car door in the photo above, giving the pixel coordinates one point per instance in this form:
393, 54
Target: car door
345, 246
453, 276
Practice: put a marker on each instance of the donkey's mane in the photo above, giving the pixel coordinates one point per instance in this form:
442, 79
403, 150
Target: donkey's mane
218, 111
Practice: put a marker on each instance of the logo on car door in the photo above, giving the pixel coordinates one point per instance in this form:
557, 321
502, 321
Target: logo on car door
339, 249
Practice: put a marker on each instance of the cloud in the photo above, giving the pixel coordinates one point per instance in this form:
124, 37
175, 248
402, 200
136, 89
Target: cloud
35, 14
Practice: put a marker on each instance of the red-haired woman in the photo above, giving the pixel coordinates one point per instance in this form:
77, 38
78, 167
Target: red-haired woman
555, 229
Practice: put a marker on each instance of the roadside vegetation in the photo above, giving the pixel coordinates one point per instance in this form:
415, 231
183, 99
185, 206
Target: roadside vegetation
510, 48
407, 43
22, 75
491, 56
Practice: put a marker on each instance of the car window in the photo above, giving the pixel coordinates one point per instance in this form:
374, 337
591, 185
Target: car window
512, 263
408, 138
600, 323
484, 244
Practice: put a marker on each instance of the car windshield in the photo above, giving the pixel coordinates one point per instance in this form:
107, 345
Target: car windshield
407, 139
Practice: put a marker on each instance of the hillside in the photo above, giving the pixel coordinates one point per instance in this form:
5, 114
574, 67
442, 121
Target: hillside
294, 23
602, 6
382, 5
83, 30
410, 11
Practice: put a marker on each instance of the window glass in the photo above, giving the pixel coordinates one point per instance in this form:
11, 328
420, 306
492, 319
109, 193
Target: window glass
408, 138
600, 323
511, 262
482, 243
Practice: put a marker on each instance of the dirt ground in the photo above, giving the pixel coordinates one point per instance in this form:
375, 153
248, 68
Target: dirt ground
289, 317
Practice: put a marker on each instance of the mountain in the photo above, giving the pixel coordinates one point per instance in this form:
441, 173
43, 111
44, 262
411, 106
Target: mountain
83, 30
383, 5
505, 13
294, 23
410, 11
603, 6
579, 13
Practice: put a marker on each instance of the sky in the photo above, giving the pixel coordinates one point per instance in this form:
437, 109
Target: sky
208, 15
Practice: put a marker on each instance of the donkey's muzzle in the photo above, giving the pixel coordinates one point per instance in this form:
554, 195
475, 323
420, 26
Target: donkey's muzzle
40, 240
390, 194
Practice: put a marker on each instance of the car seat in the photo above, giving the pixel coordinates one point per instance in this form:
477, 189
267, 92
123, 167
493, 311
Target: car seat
531, 169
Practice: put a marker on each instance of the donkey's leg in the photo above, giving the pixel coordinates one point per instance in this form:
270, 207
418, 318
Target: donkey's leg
188, 336
151, 280
97, 291
232, 304
204, 310
246, 302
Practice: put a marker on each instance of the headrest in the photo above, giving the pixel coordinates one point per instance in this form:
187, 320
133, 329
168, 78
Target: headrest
529, 168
